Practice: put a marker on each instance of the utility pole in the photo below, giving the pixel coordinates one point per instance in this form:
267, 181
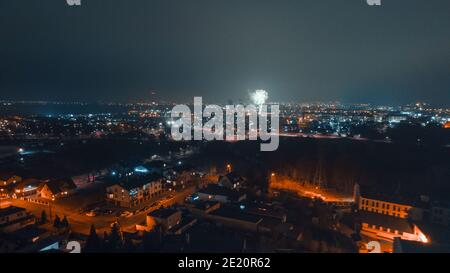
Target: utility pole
50, 211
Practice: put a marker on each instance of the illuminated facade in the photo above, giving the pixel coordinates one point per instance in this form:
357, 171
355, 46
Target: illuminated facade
385, 218
447, 125
387, 228
55, 189
134, 192
384, 207
26, 187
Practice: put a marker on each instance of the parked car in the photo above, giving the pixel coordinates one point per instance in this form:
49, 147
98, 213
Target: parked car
91, 213
126, 214
105, 211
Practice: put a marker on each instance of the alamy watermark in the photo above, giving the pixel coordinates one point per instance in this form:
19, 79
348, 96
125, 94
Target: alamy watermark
73, 2
373, 2
260, 122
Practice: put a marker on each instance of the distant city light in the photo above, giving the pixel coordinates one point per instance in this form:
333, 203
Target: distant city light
141, 169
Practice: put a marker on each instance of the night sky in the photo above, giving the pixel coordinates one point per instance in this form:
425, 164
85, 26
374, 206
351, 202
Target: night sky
302, 51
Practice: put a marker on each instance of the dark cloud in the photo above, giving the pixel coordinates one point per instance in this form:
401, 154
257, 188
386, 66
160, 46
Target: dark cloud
298, 50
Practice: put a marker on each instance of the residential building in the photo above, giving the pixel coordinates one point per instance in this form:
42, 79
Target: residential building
26, 187
390, 208
7, 182
235, 218
167, 218
222, 194
386, 228
200, 208
231, 180
440, 214
136, 190
7, 179
57, 188
14, 218
389, 205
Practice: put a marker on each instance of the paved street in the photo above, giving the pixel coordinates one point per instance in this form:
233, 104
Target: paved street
81, 223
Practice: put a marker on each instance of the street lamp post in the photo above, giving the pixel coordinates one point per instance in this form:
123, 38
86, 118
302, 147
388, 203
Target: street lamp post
50, 211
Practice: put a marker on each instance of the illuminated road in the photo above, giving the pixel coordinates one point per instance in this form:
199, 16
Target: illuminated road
129, 223
316, 136
81, 223
327, 195
320, 136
